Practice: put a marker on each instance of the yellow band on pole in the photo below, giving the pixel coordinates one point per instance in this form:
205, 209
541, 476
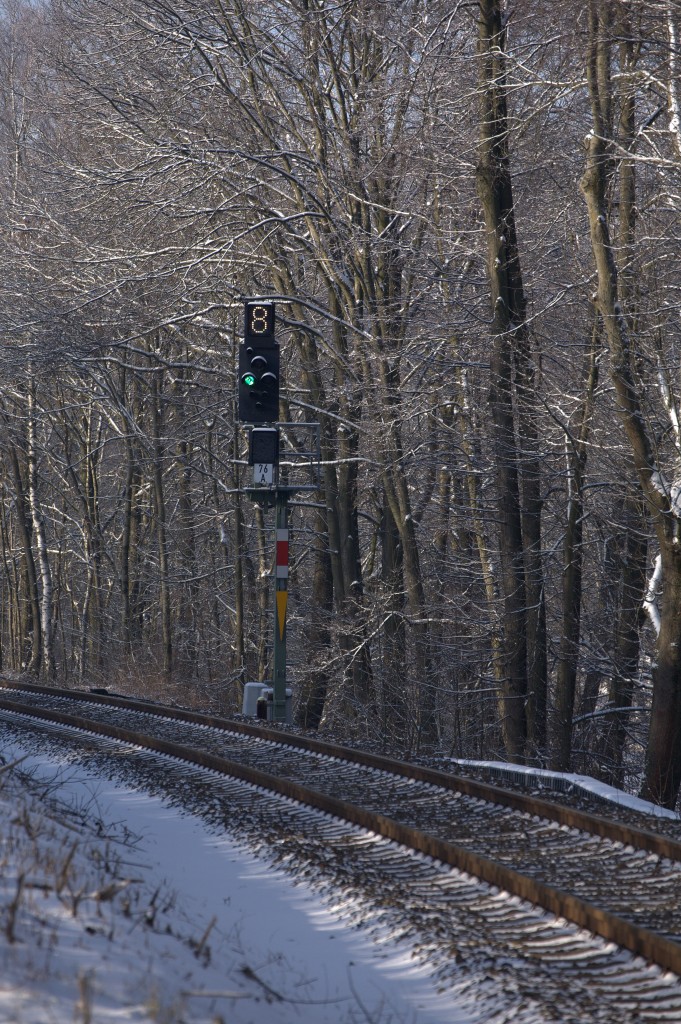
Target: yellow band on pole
282, 598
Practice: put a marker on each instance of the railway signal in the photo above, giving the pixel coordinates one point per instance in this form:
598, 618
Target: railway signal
258, 407
259, 365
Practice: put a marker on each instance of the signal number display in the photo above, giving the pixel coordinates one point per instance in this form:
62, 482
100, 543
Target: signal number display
259, 321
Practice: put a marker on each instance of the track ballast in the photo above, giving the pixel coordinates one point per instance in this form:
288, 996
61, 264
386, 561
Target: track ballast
628, 880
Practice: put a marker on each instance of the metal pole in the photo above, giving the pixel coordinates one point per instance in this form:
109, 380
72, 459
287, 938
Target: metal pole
280, 605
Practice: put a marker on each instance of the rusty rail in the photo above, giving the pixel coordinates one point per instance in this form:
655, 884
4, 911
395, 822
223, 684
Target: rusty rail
641, 941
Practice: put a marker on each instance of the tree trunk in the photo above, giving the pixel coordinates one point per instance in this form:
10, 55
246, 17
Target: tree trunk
46, 623
508, 329
530, 481
131, 612
30, 641
161, 533
394, 702
187, 604
663, 753
568, 657
632, 552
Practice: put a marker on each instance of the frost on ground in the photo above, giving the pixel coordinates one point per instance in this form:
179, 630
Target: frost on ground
114, 907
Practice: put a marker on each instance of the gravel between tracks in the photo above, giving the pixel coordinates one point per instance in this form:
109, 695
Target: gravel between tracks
509, 959
648, 888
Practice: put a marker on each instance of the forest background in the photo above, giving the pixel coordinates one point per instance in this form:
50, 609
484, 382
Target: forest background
468, 216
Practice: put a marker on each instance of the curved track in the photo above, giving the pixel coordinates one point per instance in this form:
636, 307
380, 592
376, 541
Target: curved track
618, 881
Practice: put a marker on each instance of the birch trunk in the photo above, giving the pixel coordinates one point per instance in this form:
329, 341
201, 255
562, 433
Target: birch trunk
40, 534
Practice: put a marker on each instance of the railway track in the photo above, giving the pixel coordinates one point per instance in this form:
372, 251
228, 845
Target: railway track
619, 881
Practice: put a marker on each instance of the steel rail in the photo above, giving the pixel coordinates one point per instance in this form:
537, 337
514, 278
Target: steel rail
568, 817
641, 941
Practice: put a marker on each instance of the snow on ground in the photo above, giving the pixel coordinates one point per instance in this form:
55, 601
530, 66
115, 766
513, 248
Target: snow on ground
149, 916
583, 782
116, 907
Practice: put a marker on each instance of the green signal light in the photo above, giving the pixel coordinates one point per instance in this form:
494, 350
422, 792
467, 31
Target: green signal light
249, 380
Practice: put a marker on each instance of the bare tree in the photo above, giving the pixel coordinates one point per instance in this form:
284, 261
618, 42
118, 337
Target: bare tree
663, 764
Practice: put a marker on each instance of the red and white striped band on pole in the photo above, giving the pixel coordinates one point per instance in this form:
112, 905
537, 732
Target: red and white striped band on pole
282, 555
281, 583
